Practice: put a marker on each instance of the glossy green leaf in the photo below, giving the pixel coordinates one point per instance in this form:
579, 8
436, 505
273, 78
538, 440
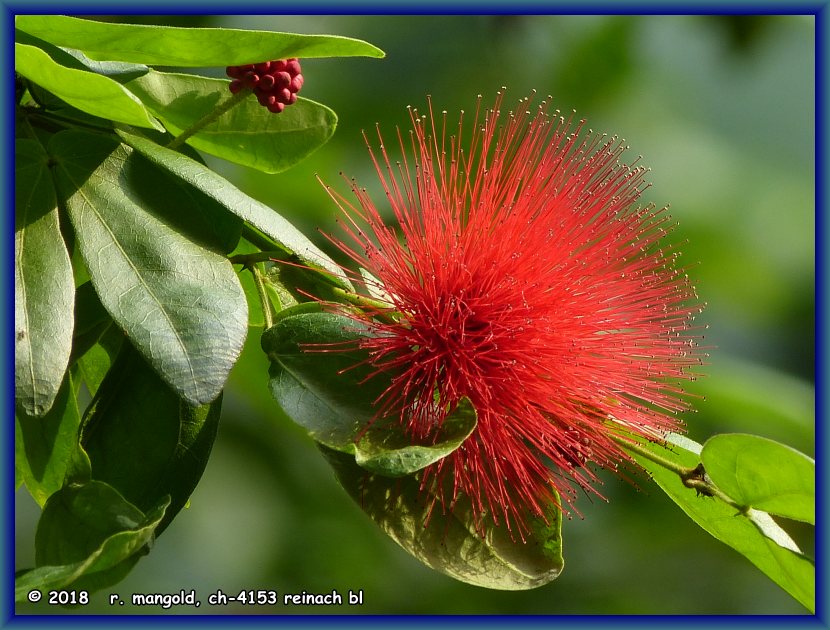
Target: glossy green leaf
86, 535
185, 208
248, 134
324, 391
171, 46
44, 446
87, 91
143, 440
763, 474
322, 381
43, 286
386, 450
118, 70
449, 542
754, 535
179, 303
274, 226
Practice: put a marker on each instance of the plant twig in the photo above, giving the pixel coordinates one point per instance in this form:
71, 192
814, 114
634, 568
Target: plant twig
247, 260
262, 292
694, 478
208, 118
376, 308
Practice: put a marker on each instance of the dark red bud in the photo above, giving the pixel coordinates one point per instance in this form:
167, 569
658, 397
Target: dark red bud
291, 99
233, 72
266, 99
266, 82
235, 86
292, 66
283, 95
262, 68
276, 108
296, 83
250, 79
277, 66
282, 80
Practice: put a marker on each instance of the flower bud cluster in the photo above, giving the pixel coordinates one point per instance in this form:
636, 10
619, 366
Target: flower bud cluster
275, 83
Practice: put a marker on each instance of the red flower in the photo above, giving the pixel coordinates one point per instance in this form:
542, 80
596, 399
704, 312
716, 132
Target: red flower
528, 281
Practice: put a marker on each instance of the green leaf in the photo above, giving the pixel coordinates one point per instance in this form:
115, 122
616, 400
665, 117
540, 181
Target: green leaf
247, 134
448, 541
753, 535
385, 449
171, 46
77, 519
762, 474
283, 233
331, 392
86, 535
143, 440
324, 392
43, 286
70, 58
87, 91
179, 303
185, 208
45, 446
118, 70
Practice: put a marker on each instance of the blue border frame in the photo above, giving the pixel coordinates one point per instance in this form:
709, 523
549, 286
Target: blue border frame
818, 9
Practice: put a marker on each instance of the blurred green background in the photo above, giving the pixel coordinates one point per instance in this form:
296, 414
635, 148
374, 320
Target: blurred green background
722, 109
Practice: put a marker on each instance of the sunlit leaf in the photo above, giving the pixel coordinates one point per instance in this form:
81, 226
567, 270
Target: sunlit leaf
247, 134
763, 474
118, 70
171, 46
87, 91
757, 538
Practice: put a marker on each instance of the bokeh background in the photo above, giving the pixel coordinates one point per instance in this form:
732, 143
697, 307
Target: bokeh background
722, 109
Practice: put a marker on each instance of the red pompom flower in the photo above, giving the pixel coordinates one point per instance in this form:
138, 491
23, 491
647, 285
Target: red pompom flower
523, 277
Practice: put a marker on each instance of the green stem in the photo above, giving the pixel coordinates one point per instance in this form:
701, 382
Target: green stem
209, 118
267, 309
248, 260
681, 471
694, 478
379, 309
